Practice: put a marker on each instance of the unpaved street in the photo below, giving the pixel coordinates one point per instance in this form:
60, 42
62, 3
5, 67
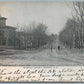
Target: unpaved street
42, 57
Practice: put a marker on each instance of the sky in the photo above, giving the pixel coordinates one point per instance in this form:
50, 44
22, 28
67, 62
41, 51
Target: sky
54, 14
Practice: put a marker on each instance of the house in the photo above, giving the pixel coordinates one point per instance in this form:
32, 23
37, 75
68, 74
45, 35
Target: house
7, 34
23, 40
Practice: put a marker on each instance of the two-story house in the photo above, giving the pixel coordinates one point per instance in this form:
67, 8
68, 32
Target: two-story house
7, 34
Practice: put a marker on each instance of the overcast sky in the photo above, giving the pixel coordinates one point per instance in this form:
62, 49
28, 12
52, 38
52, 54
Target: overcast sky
53, 14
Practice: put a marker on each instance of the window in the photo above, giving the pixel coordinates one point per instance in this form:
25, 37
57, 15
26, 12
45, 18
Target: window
4, 42
1, 33
0, 42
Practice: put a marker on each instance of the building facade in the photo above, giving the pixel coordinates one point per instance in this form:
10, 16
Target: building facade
7, 34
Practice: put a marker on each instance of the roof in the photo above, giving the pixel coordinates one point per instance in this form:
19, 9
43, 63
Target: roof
8, 27
11, 27
23, 32
3, 18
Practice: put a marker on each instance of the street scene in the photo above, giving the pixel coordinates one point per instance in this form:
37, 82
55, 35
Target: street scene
50, 33
43, 57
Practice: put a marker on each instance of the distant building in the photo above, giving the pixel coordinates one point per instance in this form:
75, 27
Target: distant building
7, 34
23, 40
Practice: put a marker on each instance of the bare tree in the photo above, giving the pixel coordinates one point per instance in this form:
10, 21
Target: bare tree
40, 36
78, 16
69, 36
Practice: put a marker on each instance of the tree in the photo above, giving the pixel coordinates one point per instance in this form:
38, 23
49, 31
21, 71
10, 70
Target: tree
39, 34
75, 26
69, 35
78, 16
32, 36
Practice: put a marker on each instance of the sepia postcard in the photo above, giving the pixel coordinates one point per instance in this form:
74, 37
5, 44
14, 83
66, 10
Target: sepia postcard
42, 41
